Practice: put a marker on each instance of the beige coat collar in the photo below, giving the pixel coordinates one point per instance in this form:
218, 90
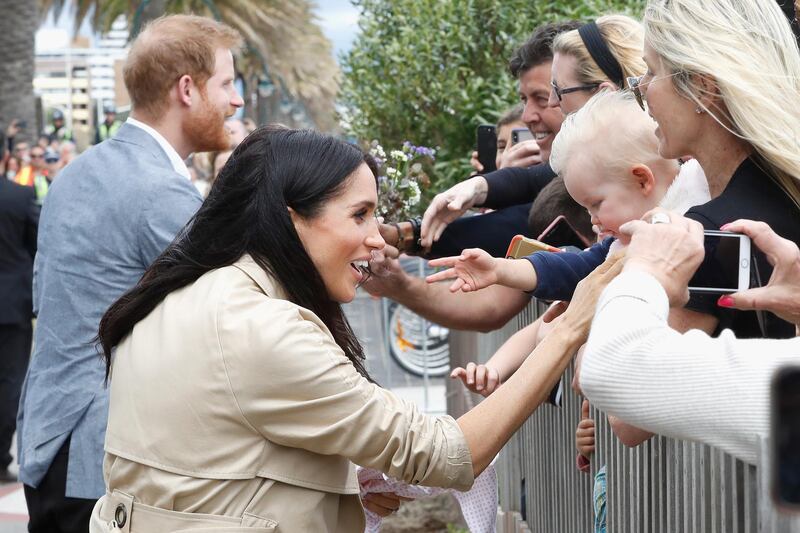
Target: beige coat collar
266, 283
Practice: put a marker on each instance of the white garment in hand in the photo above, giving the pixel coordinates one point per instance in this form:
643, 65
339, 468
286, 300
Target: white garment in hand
478, 505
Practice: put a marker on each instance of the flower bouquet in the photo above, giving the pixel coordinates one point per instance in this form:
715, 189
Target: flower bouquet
401, 180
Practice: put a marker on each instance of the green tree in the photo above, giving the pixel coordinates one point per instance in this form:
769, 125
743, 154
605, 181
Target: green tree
430, 71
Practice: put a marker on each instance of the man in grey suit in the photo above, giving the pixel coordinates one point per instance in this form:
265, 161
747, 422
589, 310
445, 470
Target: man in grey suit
109, 214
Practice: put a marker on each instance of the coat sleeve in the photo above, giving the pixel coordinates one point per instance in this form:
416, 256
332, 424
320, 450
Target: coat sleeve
297, 388
681, 385
513, 185
559, 273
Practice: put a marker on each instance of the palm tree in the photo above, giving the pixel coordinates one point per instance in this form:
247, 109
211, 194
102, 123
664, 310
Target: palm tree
18, 25
285, 45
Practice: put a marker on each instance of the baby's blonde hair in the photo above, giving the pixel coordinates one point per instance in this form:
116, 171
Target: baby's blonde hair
748, 48
610, 129
625, 39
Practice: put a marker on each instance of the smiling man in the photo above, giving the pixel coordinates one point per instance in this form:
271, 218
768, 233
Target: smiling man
524, 172
109, 214
488, 309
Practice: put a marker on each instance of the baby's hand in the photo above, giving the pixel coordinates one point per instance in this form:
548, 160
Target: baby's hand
478, 378
474, 269
584, 435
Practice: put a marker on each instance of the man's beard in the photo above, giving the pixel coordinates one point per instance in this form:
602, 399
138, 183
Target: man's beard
205, 128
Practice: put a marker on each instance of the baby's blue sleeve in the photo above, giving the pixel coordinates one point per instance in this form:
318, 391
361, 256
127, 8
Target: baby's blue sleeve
558, 273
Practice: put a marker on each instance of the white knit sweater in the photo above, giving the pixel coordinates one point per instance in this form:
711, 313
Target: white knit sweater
682, 385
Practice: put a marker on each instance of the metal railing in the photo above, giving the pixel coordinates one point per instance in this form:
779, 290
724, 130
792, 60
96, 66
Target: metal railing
663, 485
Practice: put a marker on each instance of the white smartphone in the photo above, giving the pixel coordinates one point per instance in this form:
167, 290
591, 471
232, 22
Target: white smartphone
726, 266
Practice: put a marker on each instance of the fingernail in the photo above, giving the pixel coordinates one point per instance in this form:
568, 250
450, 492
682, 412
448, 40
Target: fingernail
724, 226
725, 301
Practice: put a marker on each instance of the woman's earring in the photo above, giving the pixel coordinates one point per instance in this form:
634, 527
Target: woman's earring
698, 110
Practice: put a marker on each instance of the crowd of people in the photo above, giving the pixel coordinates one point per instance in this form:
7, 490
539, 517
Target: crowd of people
210, 271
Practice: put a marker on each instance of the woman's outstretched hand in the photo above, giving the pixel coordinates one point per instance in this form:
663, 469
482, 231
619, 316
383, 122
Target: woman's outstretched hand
782, 294
472, 270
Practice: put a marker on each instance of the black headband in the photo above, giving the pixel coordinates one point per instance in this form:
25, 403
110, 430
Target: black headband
598, 49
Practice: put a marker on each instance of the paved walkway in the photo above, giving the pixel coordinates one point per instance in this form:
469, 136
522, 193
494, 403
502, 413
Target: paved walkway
13, 514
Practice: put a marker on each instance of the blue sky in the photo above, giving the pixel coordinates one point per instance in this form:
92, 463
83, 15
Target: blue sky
339, 19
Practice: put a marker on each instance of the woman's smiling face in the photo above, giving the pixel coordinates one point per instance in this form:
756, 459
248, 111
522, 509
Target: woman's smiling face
341, 237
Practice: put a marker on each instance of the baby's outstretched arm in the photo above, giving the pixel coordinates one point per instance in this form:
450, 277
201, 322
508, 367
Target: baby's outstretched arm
475, 269
485, 378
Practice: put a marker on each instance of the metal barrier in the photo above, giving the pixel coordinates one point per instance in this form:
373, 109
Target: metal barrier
664, 485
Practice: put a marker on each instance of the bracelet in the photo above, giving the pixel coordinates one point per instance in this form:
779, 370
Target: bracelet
405, 241
415, 246
399, 235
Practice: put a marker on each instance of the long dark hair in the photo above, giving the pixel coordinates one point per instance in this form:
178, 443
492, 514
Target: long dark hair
246, 212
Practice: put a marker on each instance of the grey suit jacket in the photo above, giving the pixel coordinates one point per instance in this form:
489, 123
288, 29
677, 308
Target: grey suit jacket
107, 216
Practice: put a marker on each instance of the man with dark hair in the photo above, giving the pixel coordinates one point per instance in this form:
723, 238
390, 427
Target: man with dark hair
137, 196
554, 200
526, 171
490, 308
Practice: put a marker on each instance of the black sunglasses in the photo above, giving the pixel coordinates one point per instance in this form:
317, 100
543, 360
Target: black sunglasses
560, 92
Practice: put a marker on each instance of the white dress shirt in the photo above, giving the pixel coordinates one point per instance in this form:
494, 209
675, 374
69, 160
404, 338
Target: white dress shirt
177, 163
681, 385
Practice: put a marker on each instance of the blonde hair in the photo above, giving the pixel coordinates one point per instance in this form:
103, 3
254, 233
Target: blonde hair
168, 48
748, 48
625, 39
612, 131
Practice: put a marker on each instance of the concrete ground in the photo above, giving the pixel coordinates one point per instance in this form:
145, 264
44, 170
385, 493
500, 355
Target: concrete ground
13, 513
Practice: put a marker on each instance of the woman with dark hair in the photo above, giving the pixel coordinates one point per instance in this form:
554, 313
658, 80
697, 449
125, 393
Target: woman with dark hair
239, 399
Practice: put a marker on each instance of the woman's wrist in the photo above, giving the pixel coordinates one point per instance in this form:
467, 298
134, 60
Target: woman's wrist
481, 188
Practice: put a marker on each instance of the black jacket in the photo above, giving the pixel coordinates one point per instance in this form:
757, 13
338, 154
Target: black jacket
19, 219
512, 192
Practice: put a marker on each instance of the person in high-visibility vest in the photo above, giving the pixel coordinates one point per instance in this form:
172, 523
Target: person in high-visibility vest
107, 128
35, 174
57, 131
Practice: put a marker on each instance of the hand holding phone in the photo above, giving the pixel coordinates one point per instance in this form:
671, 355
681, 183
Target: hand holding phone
520, 134
522, 150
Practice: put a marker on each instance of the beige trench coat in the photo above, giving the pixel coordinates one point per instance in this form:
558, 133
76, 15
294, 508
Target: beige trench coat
232, 409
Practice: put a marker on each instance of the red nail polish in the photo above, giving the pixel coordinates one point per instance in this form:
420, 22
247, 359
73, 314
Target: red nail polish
725, 301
